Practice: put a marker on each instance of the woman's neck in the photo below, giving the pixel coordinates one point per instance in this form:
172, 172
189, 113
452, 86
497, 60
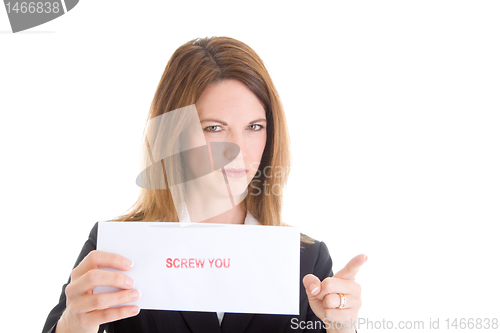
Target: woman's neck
201, 204
236, 215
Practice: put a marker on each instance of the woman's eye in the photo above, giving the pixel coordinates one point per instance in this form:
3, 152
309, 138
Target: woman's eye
256, 129
218, 128
212, 128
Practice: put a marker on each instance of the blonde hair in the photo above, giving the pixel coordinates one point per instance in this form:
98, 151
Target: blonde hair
193, 66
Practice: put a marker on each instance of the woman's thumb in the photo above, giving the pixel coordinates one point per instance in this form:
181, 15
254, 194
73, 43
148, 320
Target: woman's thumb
312, 285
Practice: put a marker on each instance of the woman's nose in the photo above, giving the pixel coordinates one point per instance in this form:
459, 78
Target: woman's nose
238, 146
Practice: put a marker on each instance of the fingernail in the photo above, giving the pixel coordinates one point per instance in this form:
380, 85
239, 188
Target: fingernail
128, 262
366, 257
129, 282
313, 289
135, 294
134, 309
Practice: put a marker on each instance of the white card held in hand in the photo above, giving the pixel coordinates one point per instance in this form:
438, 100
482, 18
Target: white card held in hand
207, 266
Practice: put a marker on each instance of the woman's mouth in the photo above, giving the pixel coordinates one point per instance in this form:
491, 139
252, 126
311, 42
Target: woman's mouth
234, 173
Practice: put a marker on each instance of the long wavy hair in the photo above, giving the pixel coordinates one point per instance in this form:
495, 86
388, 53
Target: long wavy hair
193, 66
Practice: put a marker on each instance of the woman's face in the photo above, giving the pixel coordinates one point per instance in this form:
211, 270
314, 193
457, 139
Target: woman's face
230, 112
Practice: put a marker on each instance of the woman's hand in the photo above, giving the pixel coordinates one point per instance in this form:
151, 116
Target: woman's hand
324, 297
86, 311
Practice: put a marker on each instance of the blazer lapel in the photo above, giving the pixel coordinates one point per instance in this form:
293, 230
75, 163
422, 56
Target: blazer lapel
202, 322
235, 322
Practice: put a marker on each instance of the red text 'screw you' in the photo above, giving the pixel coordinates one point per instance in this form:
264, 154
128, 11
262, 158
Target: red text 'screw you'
198, 263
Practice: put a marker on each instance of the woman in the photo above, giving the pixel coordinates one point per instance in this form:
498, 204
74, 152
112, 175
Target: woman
236, 102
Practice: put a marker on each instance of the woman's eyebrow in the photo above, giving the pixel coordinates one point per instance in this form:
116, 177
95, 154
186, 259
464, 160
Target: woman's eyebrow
257, 120
225, 124
214, 120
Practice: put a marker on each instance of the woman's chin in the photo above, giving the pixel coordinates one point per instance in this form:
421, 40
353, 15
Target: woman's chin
238, 186
237, 193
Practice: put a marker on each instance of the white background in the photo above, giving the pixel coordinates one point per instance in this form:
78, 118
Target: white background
393, 110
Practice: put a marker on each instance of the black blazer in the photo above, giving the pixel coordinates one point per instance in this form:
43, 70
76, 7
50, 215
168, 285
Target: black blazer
314, 258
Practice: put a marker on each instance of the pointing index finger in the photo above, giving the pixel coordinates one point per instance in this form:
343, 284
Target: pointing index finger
351, 269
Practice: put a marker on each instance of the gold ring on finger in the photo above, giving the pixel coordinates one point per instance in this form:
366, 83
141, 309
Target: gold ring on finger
342, 301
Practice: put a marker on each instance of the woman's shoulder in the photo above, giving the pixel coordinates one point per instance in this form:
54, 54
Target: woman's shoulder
309, 244
93, 232
315, 257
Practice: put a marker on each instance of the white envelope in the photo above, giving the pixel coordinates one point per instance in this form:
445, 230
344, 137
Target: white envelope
226, 267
